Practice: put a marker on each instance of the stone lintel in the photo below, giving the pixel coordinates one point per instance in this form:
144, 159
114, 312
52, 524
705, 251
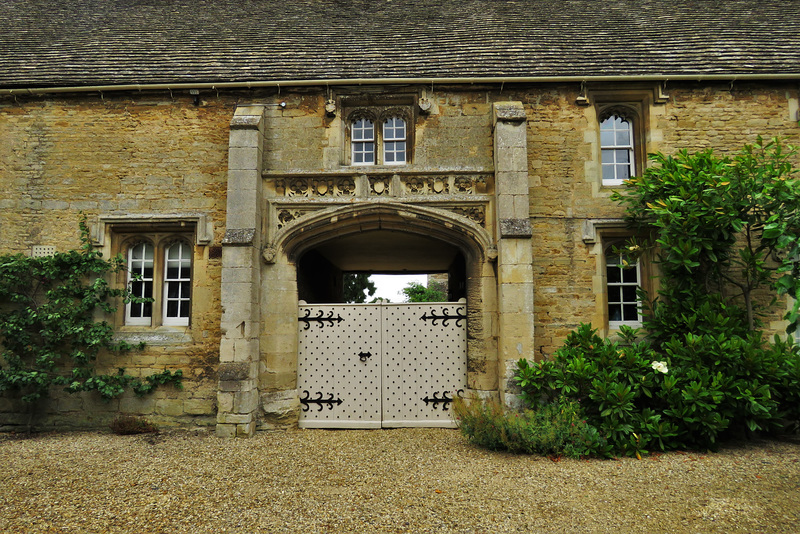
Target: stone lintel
515, 228
239, 237
592, 228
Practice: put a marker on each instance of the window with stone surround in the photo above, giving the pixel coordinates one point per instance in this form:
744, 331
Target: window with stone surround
623, 281
378, 135
621, 142
616, 148
158, 267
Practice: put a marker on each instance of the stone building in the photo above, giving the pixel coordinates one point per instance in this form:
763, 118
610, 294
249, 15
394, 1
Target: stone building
244, 155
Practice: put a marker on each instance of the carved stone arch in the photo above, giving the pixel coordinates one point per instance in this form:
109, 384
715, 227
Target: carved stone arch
399, 112
626, 113
134, 240
361, 113
473, 240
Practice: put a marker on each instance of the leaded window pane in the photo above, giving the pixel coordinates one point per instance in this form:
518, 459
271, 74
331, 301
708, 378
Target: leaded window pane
630, 312
394, 129
363, 142
363, 130
364, 153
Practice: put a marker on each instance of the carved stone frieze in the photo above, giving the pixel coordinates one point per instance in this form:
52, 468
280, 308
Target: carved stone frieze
444, 185
380, 185
474, 213
427, 185
338, 186
469, 185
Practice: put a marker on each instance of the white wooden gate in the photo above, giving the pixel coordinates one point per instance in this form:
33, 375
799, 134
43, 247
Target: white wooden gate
381, 365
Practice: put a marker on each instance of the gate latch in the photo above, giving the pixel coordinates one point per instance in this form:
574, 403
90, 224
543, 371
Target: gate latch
364, 355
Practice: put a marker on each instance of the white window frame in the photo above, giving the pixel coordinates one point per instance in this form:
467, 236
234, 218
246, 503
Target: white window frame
377, 135
392, 140
612, 151
161, 283
140, 284
616, 261
181, 284
363, 142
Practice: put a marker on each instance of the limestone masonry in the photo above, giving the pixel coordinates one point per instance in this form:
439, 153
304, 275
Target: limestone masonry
485, 148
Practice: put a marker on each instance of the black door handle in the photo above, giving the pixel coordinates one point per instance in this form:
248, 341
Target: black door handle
364, 355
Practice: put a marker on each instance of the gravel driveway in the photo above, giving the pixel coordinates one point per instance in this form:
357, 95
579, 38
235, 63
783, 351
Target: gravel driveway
405, 480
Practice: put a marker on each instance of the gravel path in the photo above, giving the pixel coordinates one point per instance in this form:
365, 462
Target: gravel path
405, 480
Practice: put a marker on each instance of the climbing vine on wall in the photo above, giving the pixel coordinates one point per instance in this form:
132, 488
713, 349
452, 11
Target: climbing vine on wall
49, 335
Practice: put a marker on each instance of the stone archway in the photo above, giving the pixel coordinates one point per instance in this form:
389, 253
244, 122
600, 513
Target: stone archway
274, 216
381, 236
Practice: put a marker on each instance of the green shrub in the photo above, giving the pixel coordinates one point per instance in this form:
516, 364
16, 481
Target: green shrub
699, 389
124, 425
724, 232
551, 429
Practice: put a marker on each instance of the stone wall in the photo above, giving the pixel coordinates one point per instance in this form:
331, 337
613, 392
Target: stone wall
565, 181
121, 155
128, 154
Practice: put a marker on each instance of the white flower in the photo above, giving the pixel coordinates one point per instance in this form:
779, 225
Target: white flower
661, 367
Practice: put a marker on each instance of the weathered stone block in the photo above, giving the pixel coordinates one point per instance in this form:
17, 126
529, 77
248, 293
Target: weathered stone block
234, 418
236, 385
509, 112
245, 401
515, 228
246, 430
225, 431
225, 401
199, 406
235, 371
137, 405
170, 407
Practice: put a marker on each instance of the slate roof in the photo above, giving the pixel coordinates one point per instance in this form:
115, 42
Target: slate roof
50, 43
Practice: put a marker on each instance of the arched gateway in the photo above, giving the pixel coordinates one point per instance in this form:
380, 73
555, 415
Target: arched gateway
373, 365
290, 236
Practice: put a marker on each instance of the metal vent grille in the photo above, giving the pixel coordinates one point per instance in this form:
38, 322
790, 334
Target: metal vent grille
41, 251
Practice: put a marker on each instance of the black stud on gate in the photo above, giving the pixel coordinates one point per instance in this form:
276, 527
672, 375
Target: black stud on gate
319, 401
445, 317
320, 319
445, 399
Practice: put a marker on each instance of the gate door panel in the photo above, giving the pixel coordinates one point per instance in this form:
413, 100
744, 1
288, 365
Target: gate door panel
372, 365
339, 371
424, 363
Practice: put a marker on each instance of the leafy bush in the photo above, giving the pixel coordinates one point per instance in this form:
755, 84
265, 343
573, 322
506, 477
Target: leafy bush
724, 232
434, 292
551, 429
697, 390
125, 425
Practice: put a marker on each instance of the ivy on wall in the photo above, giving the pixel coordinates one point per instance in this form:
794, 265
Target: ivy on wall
49, 334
